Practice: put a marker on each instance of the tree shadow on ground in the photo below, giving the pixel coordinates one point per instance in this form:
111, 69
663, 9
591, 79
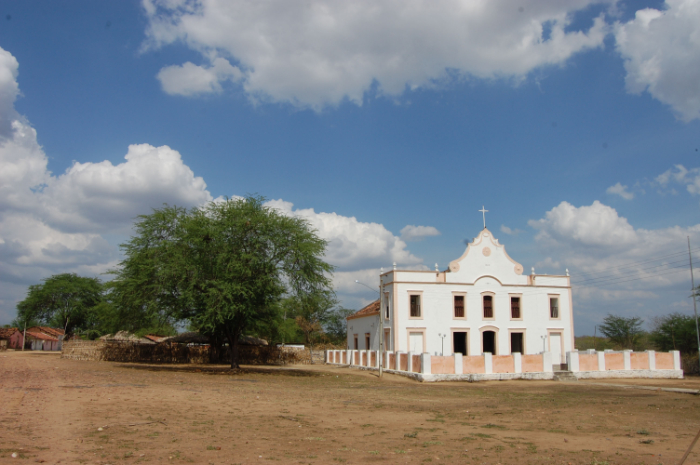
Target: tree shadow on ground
224, 370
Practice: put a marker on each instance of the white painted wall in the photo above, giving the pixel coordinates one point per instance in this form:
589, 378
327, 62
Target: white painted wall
361, 326
475, 273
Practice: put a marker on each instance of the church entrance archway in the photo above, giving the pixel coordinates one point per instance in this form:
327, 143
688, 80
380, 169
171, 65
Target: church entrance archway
459, 342
488, 339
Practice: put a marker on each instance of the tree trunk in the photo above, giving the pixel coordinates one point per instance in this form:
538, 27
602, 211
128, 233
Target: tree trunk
233, 337
215, 344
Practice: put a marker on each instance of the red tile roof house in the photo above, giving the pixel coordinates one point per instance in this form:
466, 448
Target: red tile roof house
5, 335
53, 332
56, 335
16, 339
41, 341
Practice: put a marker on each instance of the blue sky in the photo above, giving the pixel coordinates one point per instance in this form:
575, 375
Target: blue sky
576, 125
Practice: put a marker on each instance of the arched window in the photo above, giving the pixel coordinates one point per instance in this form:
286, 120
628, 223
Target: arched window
488, 342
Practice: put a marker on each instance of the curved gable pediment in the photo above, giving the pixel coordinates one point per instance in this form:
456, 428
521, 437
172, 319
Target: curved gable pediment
485, 256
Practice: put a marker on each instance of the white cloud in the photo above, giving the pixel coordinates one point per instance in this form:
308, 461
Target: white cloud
100, 196
315, 53
599, 246
189, 79
661, 50
619, 189
9, 90
360, 250
615, 268
679, 174
547, 264
597, 226
353, 245
411, 233
52, 224
511, 232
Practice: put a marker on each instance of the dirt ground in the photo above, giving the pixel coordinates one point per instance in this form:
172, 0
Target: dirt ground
63, 411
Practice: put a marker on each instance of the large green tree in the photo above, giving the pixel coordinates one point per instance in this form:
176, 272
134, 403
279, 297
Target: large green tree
675, 332
221, 268
64, 300
626, 332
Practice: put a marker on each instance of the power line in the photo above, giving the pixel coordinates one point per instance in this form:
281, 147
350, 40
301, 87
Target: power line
628, 265
672, 270
631, 272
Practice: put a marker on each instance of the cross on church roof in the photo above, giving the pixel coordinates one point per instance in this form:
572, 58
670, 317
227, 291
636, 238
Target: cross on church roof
483, 212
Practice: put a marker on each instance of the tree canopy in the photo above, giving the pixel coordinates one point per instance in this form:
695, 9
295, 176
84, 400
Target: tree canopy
222, 268
626, 332
675, 332
64, 300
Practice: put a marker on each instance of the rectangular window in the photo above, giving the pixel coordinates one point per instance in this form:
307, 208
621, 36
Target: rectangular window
554, 307
367, 341
356, 348
515, 308
386, 309
488, 306
459, 306
415, 306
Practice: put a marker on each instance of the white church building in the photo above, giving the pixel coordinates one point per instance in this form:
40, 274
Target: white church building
483, 303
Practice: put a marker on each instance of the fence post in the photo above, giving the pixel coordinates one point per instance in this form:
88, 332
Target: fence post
676, 359
425, 366
652, 359
601, 361
547, 362
488, 362
517, 362
409, 362
459, 365
397, 360
627, 359
572, 361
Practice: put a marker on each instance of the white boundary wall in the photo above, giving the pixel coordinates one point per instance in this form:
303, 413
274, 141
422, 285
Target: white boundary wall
582, 365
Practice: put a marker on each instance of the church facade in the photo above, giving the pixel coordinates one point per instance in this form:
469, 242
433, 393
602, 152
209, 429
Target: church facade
483, 303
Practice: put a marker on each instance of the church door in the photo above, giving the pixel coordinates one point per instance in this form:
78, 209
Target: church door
459, 342
555, 348
416, 343
489, 342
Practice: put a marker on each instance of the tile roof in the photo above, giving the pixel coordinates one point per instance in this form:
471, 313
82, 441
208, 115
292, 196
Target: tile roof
155, 338
369, 310
42, 336
53, 332
5, 333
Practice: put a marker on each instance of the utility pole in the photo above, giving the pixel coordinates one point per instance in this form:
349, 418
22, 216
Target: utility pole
695, 305
595, 337
381, 327
24, 336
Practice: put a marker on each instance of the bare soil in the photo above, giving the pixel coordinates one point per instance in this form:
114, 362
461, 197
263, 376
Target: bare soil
62, 411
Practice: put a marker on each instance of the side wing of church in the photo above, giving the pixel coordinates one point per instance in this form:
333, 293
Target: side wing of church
482, 303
